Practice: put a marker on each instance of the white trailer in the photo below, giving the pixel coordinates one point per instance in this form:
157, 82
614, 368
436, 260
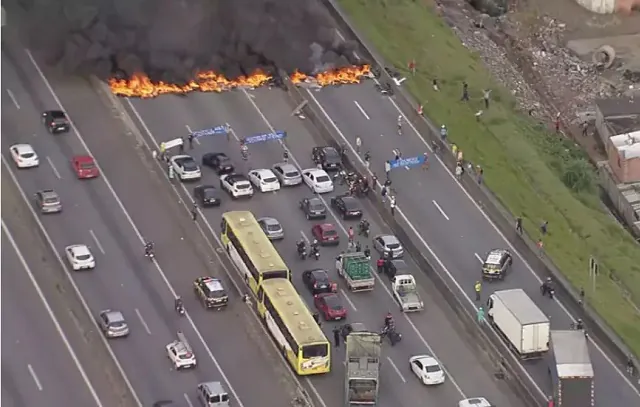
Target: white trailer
520, 322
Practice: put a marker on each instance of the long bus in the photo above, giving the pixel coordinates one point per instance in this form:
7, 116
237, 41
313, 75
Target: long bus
298, 335
251, 250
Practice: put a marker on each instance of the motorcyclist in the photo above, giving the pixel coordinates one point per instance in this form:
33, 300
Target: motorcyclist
400, 124
358, 247
148, 249
314, 245
363, 227
178, 304
579, 324
302, 245
244, 150
367, 252
388, 321
547, 286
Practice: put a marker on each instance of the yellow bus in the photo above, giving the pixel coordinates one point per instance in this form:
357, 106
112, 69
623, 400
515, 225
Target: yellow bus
299, 337
251, 250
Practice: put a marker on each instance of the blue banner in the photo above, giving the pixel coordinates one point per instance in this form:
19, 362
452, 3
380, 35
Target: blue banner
407, 162
261, 138
214, 131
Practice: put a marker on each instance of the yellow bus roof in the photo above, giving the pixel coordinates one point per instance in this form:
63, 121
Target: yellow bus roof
293, 311
257, 245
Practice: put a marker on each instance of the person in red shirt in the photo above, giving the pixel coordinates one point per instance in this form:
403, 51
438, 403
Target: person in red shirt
351, 234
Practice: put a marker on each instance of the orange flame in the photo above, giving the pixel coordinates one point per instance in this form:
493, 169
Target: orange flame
139, 85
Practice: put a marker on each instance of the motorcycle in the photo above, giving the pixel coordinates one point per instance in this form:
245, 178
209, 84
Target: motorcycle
315, 253
149, 255
363, 229
179, 308
390, 332
547, 291
302, 253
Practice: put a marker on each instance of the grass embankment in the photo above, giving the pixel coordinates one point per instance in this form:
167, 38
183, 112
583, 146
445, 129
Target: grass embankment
528, 168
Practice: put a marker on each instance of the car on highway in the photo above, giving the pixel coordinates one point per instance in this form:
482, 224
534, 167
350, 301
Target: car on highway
330, 306
392, 267
219, 162
113, 324
24, 156
427, 369
56, 121
84, 166
186, 167
318, 281
210, 292
237, 185
79, 257
326, 234
347, 206
313, 208
288, 174
213, 394
48, 201
272, 228
497, 264
388, 245
475, 402
207, 195
180, 353
265, 180
318, 180
328, 157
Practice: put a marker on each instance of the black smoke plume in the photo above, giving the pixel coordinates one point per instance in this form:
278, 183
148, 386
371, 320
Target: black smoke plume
170, 40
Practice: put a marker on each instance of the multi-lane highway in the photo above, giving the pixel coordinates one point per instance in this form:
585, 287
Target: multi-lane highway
37, 368
435, 330
111, 214
442, 217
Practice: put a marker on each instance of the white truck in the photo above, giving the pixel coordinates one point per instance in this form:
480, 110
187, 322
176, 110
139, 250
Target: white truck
405, 290
520, 322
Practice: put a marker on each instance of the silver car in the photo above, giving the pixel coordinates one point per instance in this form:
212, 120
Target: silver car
48, 201
389, 245
272, 228
288, 174
113, 324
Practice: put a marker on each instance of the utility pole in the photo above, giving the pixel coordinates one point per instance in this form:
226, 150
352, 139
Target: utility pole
593, 272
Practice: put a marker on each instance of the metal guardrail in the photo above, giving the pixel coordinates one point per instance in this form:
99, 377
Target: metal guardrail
599, 330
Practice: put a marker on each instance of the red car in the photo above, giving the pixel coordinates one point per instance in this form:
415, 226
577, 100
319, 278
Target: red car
85, 166
330, 306
326, 234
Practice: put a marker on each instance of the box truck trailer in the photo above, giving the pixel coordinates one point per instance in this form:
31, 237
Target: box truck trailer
520, 323
571, 370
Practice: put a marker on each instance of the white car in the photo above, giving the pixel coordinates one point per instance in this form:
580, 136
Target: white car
265, 180
180, 353
427, 369
237, 185
318, 180
475, 402
80, 257
186, 167
24, 156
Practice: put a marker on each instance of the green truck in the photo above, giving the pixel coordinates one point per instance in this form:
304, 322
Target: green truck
355, 269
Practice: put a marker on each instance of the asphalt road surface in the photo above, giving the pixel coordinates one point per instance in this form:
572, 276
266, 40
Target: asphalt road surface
435, 329
229, 344
449, 222
37, 368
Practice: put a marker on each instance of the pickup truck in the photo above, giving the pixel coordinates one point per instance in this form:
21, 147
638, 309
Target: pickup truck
405, 290
354, 268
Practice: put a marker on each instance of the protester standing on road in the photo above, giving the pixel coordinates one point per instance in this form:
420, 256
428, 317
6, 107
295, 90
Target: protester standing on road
425, 164
374, 181
358, 144
478, 290
392, 205
190, 138
171, 172
459, 171
351, 234
443, 132
181, 145
383, 193
367, 159
336, 337
387, 168
163, 150
285, 155
194, 213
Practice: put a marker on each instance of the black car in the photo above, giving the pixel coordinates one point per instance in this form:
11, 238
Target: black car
393, 267
56, 121
206, 195
347, 206
313, 208
317, 281
219, 162
328, 157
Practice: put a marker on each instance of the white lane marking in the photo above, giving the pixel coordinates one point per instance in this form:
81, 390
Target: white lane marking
13, 98
187, 399
440, 209
406, 168
218, 251
373, 272
362, 110
56, 324
393, 365
34, 376
479, 258
431, 252
95, 239
144, 323
493, 225
53, 168
346, 297
190, 131
138, 234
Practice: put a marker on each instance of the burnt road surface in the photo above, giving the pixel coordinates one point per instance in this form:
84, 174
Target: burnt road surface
440, 214
112, 218
434, 330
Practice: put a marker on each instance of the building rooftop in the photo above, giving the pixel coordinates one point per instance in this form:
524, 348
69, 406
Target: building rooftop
627, 144
619, 107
